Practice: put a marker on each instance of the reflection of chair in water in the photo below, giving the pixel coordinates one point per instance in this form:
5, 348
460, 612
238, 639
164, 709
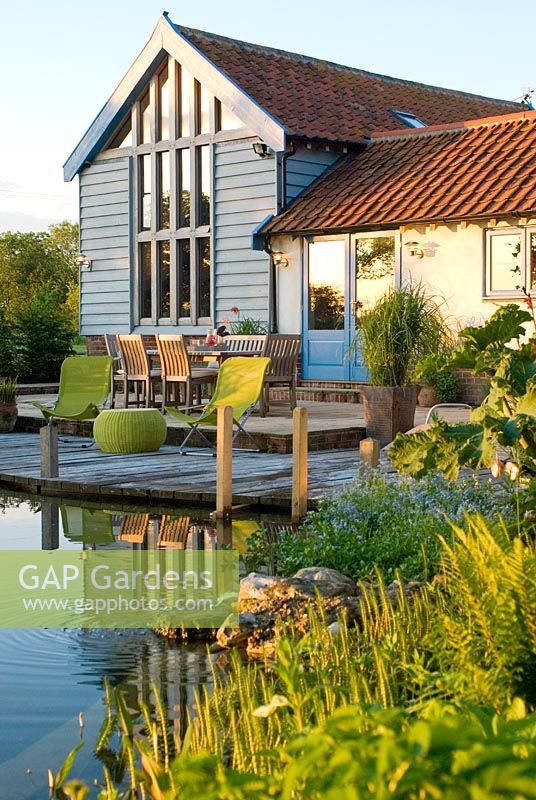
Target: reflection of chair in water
242, 529
87, 525
134, 528
173, 532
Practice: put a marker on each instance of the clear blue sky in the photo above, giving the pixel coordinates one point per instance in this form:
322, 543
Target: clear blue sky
60, 61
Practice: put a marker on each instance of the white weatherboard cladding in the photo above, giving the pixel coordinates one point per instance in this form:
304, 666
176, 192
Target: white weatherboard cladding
244, 195
105, 239
306, 166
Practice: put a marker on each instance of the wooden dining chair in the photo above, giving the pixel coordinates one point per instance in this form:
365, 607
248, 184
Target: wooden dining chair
283, 351
137, 369
178, 372
134, 528
245, 343
173, 532
118, 373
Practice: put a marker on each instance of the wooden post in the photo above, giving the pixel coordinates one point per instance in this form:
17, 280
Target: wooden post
224, 462
224, 528
49, 451
50, 525
299, 464
369, 452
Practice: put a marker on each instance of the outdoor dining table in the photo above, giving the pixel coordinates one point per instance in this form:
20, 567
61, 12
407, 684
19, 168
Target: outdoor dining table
217, 352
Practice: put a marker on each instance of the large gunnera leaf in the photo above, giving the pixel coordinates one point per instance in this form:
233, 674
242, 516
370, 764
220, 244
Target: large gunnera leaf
442, 447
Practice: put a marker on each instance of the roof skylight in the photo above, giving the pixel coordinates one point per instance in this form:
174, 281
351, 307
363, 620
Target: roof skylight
409, 119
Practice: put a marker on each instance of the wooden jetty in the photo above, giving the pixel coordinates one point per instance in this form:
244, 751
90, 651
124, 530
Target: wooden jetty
165, 477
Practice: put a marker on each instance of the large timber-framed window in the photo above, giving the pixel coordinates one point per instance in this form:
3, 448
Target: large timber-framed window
170, 134
173, 125
510, 261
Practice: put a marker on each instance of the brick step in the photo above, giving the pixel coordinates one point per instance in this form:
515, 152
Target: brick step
318, 394
38, 388
343, 438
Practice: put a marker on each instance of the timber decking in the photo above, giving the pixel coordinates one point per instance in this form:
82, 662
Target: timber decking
331, 426
259, 479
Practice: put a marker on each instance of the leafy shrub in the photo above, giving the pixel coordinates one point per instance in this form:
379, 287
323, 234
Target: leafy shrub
433, 369
378, 524
506, 419
39, 303
447, 386
7, 347
45, 336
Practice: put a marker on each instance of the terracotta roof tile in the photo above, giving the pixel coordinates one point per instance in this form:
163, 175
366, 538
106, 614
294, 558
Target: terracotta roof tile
470, 169
316, 99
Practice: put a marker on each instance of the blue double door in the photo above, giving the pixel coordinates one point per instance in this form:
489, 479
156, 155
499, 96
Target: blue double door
343, 275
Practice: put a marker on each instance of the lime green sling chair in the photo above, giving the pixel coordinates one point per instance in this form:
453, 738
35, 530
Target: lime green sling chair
84, 387
87, 525
239, 385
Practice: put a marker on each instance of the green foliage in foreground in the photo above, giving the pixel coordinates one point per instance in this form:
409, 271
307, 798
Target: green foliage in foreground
429, 699
445, 753
377, 524
506, 419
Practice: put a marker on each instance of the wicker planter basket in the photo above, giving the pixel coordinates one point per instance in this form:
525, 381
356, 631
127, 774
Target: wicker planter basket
130, 430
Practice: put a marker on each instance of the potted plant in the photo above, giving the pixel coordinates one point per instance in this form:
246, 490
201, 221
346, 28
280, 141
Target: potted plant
8, 404
245, 326
405, 325
438, 382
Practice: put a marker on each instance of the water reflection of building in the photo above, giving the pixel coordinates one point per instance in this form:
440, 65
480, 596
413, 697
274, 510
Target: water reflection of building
137, 661
140, 661
95, 528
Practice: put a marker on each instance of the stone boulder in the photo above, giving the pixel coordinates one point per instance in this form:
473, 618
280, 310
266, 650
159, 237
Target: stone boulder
227, 636
268, 604
328, 582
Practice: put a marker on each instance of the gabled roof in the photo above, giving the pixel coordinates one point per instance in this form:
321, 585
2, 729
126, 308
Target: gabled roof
478, 168
317, 99
166, 40
276, 93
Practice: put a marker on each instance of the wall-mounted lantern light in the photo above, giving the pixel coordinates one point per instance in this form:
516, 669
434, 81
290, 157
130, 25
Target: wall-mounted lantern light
280, 260
261, 149
414, 249
83, 261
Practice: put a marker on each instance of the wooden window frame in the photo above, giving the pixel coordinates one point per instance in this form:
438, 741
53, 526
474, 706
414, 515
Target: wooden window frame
174, 234
524, 231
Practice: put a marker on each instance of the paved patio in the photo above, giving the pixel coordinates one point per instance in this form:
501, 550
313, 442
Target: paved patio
322, 416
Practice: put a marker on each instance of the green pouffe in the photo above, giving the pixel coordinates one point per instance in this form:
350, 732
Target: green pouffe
130, 430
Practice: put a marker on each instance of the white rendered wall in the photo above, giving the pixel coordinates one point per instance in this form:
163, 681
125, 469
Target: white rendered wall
453, 266
289, 285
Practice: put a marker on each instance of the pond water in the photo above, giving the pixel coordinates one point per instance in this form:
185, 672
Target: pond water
49, 676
